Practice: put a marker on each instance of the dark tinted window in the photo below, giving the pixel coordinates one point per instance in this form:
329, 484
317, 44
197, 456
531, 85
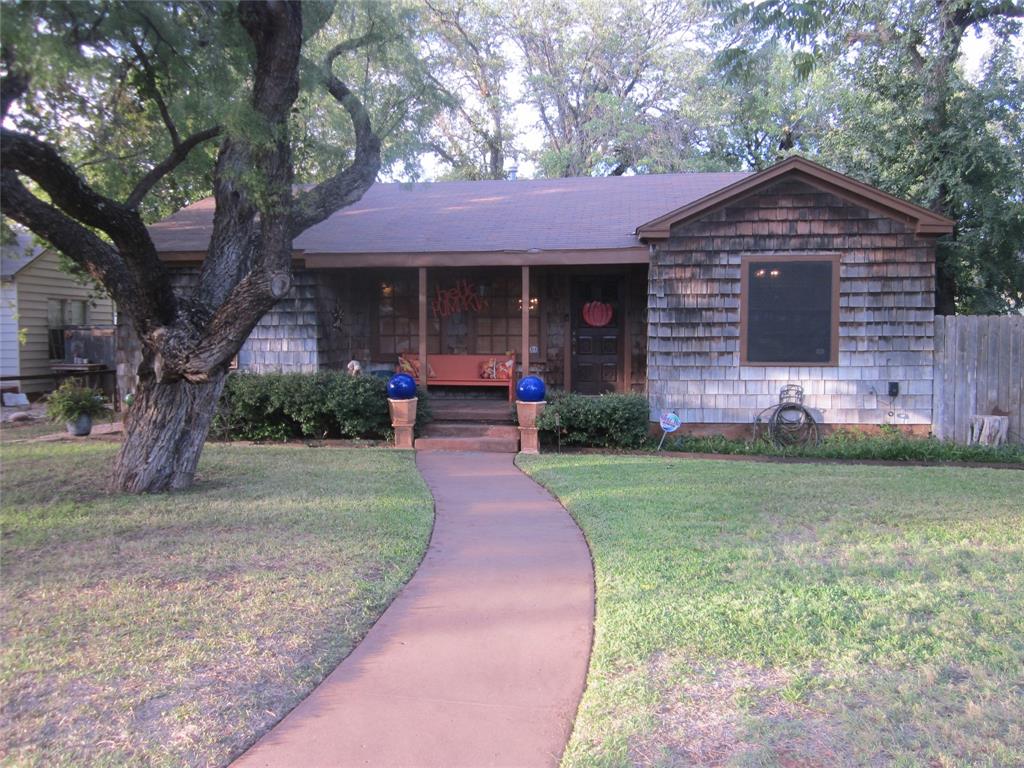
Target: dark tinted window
789, 311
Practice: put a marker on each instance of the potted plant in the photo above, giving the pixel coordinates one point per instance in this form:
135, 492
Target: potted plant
76, 406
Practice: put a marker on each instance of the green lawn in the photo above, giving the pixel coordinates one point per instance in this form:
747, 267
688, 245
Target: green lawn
174, 629
799, 615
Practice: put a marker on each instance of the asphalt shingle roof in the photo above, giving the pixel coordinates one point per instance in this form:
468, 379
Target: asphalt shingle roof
473, 216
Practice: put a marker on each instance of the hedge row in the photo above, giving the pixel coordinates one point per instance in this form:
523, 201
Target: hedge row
890, 445
607, 421
279, 406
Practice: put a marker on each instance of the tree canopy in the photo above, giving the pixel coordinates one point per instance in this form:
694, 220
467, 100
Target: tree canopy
110, 108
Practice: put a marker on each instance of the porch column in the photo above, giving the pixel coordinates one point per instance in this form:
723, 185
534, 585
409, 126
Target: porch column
526, 320
423, 330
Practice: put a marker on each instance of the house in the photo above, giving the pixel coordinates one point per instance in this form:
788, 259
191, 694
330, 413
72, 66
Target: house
707, 292
46, 316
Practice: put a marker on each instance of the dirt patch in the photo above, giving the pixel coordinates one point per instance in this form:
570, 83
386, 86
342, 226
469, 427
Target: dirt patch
735, 713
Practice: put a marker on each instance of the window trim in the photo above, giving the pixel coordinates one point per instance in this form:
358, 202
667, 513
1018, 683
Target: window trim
745, 261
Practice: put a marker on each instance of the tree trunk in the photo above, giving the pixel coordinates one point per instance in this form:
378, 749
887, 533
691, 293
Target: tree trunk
165, 429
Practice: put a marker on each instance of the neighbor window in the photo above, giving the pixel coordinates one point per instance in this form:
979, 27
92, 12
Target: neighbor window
789, 310
61, 314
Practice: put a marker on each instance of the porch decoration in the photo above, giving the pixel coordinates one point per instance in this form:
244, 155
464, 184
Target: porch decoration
402, 406
501, 370
597, 314
530, 389
401, 386
462, 297
529, 405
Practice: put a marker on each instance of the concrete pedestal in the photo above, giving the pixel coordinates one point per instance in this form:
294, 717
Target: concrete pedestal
529, 440
403, 419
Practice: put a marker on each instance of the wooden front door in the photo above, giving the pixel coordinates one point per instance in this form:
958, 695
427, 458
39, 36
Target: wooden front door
596, 327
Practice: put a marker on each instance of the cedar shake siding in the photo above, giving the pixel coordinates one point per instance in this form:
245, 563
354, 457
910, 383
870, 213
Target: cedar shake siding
886, 317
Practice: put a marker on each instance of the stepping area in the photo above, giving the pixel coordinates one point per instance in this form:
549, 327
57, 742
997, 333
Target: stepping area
470, 425
481, 659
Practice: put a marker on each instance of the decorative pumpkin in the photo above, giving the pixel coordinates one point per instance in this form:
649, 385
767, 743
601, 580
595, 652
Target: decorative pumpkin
530, 389
401, 386
597, 314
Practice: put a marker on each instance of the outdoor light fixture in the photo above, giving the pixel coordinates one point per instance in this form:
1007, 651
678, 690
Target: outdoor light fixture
387, 290
775, 273
761, 273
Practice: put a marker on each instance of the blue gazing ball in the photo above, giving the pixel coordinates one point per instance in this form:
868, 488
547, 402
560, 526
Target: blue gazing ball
401, 386
530, 389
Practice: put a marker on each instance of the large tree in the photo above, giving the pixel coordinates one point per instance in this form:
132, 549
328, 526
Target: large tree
911, 120
175, 63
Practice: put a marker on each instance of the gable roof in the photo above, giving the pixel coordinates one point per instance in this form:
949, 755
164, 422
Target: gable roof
542, 221
15, 256
925, 222
474, 217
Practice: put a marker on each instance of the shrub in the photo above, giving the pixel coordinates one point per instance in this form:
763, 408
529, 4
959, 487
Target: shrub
279, 406
71, 400
890, 445
605, 421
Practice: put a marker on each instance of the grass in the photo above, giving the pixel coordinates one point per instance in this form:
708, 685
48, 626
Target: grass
174, 629
753, 614
23, 431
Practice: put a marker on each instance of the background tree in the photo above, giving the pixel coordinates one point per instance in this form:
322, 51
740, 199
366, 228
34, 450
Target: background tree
179, 75
603, 76
912, 122
749, 112
475, 134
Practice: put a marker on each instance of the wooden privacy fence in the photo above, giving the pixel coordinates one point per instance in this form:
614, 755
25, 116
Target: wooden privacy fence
979, 370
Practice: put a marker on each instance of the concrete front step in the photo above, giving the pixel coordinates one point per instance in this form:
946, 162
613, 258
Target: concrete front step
488, 444
478, 411
470, 429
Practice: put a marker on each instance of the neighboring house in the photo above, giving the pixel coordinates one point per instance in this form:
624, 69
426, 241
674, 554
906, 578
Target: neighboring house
40, 304
708, 292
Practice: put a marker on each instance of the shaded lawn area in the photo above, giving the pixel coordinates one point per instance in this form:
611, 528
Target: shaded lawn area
174, 629
18, 431
798, 615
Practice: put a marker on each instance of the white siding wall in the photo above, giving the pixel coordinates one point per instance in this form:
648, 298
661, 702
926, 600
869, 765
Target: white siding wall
8, 329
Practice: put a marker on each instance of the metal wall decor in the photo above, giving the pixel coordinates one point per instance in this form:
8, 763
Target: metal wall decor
462, 297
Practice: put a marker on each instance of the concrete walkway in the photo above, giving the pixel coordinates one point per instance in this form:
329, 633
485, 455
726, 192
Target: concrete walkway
481, 660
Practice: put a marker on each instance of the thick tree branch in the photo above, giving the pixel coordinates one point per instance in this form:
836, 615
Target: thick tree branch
972, 15
83, 247
349, 185
72, 195
178, 155
232, 323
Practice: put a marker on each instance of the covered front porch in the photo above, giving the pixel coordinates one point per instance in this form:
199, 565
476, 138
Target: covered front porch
581, 328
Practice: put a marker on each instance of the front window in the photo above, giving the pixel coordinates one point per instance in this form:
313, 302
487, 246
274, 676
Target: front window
790, 310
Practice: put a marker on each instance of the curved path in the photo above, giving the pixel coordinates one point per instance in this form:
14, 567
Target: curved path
481, 659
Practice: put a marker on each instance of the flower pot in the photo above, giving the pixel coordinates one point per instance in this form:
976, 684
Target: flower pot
528, 412
81, 426
403, 419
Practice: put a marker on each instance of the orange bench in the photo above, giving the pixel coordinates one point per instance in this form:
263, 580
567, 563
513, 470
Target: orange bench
464, 370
